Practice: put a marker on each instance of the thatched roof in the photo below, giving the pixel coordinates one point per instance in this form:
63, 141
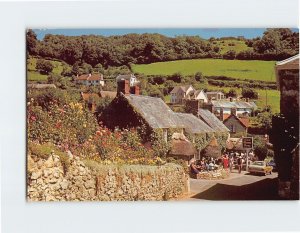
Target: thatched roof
212, 149
155, 111
181, 146
192, 124
211, 120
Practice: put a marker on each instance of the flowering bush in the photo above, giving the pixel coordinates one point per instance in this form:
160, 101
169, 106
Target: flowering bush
73, 127
70, 125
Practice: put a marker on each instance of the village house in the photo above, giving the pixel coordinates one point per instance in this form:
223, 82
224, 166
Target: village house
197, 95
236, 125
132, 111
179, 93
215, 95
228, 106
90, 79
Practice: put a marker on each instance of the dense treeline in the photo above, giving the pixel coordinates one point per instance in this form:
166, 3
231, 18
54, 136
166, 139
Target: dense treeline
276, 44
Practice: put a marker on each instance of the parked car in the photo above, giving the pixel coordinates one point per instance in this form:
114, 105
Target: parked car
260, 167
272, 164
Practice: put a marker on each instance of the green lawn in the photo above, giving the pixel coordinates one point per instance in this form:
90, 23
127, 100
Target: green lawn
252, 70
269, 97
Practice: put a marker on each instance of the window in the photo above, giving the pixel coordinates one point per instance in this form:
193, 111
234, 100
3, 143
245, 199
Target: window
232, 128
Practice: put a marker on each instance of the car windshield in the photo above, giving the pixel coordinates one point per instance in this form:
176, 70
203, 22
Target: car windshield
259, 163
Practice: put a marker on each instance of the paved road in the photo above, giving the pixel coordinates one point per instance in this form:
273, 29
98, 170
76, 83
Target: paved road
237, 187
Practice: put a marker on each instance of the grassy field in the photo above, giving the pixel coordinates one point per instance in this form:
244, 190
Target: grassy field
252, 70
34, 75
269, 97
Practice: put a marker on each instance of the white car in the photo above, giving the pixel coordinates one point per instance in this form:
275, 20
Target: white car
260, 167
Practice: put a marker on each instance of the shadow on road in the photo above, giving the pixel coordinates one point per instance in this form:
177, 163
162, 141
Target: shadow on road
261, 190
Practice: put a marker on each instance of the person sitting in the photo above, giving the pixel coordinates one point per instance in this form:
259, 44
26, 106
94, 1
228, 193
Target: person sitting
194, 168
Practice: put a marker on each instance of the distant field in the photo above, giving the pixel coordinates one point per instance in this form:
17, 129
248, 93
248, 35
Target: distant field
252, 70
34, 75
226, 45
269, 97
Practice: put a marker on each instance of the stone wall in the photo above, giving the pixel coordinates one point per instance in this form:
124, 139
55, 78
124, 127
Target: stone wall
49, 180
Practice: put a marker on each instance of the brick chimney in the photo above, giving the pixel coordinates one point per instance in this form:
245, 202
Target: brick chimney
221, 114
136, 90
233, 111
123, 87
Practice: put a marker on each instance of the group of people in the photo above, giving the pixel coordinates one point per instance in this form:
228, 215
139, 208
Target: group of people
227, 161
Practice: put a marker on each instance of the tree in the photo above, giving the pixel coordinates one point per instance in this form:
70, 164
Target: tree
216, 49
231, 93
265, 120
55, 79
87, 68
260, 148
31, 42
75, 68
44, 66
230, 54
249, 93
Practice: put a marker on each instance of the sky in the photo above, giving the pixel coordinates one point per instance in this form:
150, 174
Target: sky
170, 32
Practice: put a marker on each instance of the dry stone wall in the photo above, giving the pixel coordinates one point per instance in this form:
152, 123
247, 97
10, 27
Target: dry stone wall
48, 180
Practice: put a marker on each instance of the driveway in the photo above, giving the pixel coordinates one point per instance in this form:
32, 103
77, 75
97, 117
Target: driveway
242, 186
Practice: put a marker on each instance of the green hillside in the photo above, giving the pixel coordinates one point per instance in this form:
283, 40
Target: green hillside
226, 45
241, 69
34, 75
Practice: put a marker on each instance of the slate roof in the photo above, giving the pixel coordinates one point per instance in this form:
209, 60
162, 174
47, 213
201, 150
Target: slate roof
243, 120
182, 88
233, 104
154, 111
193, 124
211, 120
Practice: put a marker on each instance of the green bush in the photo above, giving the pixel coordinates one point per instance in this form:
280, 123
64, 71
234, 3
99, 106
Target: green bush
44, 66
